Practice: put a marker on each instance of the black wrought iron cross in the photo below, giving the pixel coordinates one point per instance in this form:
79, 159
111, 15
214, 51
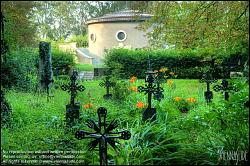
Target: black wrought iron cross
158, 95
208, 79
108, 84
150, 88
102, 134
225, 88
73, 87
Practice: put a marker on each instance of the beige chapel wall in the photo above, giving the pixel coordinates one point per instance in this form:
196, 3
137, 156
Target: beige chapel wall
106, 36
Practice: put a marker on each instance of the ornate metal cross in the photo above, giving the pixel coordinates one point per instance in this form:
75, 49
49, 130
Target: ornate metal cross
73, 87
225, 88
102, 134
208, 79
158, 95
150, 88
108, 84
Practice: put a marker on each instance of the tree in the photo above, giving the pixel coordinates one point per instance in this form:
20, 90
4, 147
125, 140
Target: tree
19, 30
192, 24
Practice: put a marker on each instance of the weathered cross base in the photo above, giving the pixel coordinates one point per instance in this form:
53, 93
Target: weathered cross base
72, 114
208, 96
107, 96
149, 114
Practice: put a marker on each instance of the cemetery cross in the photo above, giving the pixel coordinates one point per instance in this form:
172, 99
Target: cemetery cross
208, 79
72, 109
73, 87
159, 92
150, 88
224, 84
102, 134
108, 84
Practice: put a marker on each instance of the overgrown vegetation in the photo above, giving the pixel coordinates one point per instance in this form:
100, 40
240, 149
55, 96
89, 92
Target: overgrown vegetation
195, 137
63, 61
19, 71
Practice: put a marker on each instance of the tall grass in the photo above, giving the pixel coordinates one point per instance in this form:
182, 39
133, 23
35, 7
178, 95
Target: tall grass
174, 138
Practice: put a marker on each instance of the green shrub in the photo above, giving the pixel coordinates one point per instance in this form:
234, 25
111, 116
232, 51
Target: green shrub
19, 70
121, 90
63, 61
84, 67
81, 41
186, 63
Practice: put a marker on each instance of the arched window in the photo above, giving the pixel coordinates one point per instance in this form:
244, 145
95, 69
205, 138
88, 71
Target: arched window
92, 37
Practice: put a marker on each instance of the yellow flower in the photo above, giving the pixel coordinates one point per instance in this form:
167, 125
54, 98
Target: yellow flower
164, 69
191, 100
156, 71
140, 104
177, 99
170, 82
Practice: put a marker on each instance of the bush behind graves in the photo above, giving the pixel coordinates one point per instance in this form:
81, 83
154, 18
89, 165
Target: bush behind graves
186, 63
63, 61
19, 69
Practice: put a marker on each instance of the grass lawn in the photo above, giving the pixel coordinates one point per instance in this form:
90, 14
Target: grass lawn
174, 138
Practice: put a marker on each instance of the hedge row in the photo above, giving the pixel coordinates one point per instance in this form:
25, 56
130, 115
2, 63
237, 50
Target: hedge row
125, 63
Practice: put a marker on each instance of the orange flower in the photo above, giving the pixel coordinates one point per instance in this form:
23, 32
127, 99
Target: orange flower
191, 100
177, 98
88, 105
170, 82
134, 88
163, 69
132, 79
140, 104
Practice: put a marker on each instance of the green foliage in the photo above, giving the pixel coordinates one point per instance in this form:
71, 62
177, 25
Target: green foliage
186, 63
84, 67
63, 61
19, 31
203, 24
81, 41
5, 111
120, 90
174, 138
19, 70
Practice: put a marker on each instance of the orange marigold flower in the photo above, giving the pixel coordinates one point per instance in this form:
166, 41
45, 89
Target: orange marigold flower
140, 104
134, 88
132, 79
191, 100
164, 69
89, 105
177, 98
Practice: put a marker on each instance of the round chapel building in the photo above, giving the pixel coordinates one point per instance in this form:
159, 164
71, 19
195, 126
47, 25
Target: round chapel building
118, 29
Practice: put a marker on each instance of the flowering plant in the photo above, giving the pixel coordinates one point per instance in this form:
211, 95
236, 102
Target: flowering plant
184, 105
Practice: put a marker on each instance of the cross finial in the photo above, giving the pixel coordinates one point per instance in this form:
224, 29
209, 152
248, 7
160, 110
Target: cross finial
102, 137
73, 87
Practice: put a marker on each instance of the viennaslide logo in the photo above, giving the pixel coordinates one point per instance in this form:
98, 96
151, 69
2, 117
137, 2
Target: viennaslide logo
233, 155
